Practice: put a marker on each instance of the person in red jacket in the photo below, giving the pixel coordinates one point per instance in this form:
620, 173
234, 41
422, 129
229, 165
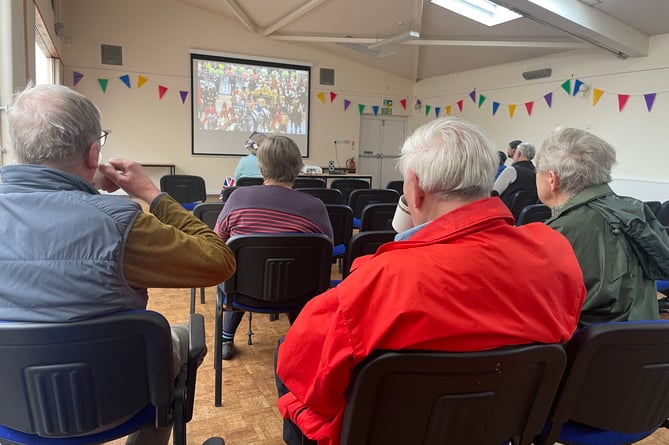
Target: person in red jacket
446, 286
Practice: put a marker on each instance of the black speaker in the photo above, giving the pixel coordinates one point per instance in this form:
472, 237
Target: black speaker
111, 55
537, 74
327, 76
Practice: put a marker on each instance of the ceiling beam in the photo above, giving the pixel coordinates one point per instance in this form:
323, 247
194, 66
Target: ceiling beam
241, 15
291, 16
584, 23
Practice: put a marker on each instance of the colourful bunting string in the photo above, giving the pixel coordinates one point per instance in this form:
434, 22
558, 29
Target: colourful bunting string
549, 99
76, 77
161, 91
481, 100
460, 105
650, 99
141, 80
321, 97
529, 106
472, 95
183, 94
403, 102
347, 103
495, 106
103, 84
512, 109
596, 95
126, 80
622, 101
332, 96
375, 109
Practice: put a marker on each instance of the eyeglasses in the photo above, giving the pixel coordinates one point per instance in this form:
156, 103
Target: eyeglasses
103, 137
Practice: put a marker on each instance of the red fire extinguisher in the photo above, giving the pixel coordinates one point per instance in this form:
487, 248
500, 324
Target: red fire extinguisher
350, 164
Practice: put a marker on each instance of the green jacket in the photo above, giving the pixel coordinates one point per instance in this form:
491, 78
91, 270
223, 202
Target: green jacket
617, 287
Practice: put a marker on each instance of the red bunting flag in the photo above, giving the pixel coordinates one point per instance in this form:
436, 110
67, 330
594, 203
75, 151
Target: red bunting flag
460, 104
333, 95
622, 101
161, 91
404, 103
528, 107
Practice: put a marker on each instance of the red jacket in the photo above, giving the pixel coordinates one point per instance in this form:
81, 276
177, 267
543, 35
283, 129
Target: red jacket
469, 280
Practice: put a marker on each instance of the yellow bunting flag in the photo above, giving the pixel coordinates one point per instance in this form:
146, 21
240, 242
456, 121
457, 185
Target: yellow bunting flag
512, 109
321, 97
596, 95
448, 110
141, 80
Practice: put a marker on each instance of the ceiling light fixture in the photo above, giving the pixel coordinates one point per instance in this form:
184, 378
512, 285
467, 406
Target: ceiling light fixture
398, 38
483, 11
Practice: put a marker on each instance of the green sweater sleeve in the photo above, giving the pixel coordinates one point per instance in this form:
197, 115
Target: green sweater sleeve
169, 247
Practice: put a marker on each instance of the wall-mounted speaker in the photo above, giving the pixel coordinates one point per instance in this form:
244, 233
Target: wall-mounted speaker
111, 55
537, 74
327, 76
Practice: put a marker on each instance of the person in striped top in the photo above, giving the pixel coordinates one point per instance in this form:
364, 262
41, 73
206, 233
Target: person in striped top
273, 207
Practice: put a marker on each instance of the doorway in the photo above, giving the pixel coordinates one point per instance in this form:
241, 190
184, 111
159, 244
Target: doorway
380, 141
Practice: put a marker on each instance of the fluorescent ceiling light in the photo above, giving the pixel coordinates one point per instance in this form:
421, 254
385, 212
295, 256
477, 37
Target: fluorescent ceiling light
482, 11
398, 38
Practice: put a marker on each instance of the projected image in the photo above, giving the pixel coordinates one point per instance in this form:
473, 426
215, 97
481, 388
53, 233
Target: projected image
234, 97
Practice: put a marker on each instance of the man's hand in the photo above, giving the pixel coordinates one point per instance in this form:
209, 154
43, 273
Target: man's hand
129, 176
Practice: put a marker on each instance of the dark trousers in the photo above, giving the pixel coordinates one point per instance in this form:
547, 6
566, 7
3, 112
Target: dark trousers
291, 433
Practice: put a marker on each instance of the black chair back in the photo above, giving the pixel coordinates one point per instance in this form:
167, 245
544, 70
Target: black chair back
377, 217
617, 380
184, 188
244, 181
397, 185
654, 206
328, 196
473, 398
346, 186
521, 199
341, 219
662, 214
533, 213
303, 183
208, 212
360, 198
365, 243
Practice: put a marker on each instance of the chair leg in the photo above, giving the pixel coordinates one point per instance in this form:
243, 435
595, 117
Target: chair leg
202, 295
192, 300
218, 345
250, 332
274, 316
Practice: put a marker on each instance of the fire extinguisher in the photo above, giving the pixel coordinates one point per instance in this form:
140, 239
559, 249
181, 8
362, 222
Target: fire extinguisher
350, 164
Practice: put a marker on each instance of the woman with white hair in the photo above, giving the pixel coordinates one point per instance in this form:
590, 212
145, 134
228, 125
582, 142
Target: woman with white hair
573, 172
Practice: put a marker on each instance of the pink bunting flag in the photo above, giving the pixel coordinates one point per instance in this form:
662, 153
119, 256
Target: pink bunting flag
76, 77
549, 99
472, 96
333, 95
375, 109
403, 102
622, 101
460, 105
161, 91
650, 100
347, 103
529, 106
183, 94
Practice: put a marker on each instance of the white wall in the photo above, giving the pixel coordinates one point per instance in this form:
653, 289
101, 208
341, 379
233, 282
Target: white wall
640, 137
156, 36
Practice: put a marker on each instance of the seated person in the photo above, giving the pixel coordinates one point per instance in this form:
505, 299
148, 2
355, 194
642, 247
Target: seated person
502, 165
440, 289
511, 149
273, 207
248, 165
573, 172
519, 176
94, 254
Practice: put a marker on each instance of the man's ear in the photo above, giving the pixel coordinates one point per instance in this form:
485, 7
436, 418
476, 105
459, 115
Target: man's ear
417, 195
93, 156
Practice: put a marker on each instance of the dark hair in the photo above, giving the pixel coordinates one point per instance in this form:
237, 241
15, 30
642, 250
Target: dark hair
502, 157
514, 143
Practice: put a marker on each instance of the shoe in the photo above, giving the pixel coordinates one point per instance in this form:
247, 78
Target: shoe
227, 350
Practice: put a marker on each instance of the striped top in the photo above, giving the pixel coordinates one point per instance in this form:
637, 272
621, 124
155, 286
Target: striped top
272, 209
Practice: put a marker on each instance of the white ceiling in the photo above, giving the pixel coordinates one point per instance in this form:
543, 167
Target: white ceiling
449, 43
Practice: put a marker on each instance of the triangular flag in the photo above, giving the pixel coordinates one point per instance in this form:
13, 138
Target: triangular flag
333, 95
403, 102
495, 106
183, 94
566, 85
481, 100
375, 109
437, 110
596, 95
528, 107
103, 84
622, 101
321, 97
650, 99
549, 99
125, 79
141, 80
427, 109
460, 104
161, 91
577, 87
512, 109
77, 76
347, 103
448, 110
472, 95
419, 103
361, 108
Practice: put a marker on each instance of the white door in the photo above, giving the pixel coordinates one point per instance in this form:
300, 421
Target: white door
380, 141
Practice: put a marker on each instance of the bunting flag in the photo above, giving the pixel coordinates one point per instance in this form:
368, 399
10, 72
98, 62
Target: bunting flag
437, 110
141, 80
577, 87
375, 108
529, 106
596, 95
622, 101
419, 104
76, 77
347, 103
103, 84
321, 97
481, 100
566, 85
549, 99
126, 80
448, 110
512, 109
161, 91
495, 106
403, 102
460, 105
183, 94
427, 109
650, 99
333, 95
472, 95
361, 108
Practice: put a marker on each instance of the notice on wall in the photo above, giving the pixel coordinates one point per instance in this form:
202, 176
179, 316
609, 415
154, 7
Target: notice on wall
387, 107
